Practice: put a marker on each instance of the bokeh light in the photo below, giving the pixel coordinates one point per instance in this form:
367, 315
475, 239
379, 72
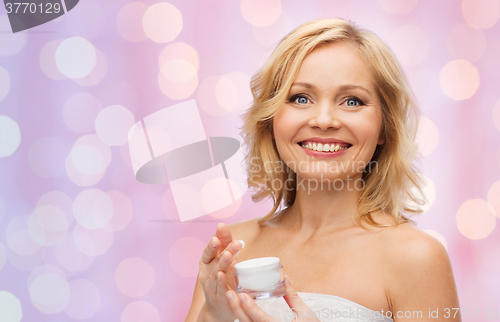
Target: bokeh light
18, 237
178, 79
88, 155
10, 306
185, 254
10, 136
466, 42
122, 210
97, 74
80, 112
85, 300
48, 225
134, 277
75, 57
494, 197
129, 21
260, 13
93, 208
496, 115
25, 262
475, 219
10, 43
179, 50
481, 13
459, 79
112, 125
140, 311
93, 242
398, 6
4, 83
46, 157
48, 289
162, 22
438, 236
410, 44
427, 137
207, 97
48, 60
70, 257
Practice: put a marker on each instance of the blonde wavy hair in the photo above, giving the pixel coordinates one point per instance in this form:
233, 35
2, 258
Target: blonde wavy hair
396, 187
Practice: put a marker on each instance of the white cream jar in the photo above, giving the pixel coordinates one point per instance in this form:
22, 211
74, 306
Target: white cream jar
260, 277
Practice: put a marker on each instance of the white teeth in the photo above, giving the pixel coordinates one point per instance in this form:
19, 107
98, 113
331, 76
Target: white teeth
323, 148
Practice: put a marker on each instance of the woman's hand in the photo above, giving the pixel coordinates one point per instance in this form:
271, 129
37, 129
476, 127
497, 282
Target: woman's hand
247, 311
217, 258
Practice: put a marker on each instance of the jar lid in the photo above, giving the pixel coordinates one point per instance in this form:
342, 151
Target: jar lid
257, 265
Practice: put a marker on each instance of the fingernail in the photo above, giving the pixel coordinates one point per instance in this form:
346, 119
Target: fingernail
218, 276
224, 256
242, 243
212, 242
242, 298
229, 296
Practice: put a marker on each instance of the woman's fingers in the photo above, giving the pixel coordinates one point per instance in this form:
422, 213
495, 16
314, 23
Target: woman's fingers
224, 235
210, 251
294, 301
245, 308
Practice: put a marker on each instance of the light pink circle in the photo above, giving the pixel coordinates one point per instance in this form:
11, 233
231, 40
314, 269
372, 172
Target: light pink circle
179, 50
481, 13
410, 44
140, 311
93, 208
113, 123
48, 60
162, 22
475, 219
466, 42
177, 89
85, 300
260, 12
185, 254
18, 237
459, 79
207, 98
398, 6
129, 21
93, 242
494, 197
49, 292
48, 225
496, 115
97, 74
46, 157
122, 210
134, 277
70, 257
80, 112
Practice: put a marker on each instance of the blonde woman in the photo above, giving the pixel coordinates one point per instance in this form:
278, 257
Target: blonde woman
330, 137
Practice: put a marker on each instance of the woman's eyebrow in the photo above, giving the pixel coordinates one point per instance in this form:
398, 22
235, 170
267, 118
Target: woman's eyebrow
342, 87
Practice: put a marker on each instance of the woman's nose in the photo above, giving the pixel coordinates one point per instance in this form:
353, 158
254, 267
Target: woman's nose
324, 116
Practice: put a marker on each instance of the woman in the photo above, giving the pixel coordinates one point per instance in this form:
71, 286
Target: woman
331, 135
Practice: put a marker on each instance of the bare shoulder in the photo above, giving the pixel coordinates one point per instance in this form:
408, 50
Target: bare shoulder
418, 269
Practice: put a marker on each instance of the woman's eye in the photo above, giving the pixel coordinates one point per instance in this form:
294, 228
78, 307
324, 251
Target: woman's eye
299, 99
351, 102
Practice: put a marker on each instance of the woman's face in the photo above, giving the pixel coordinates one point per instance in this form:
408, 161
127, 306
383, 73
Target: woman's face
332, 105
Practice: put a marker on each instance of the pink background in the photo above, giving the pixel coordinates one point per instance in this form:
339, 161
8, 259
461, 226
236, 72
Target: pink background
83, 240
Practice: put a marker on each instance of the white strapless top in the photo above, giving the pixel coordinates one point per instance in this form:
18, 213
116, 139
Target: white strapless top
327, 308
